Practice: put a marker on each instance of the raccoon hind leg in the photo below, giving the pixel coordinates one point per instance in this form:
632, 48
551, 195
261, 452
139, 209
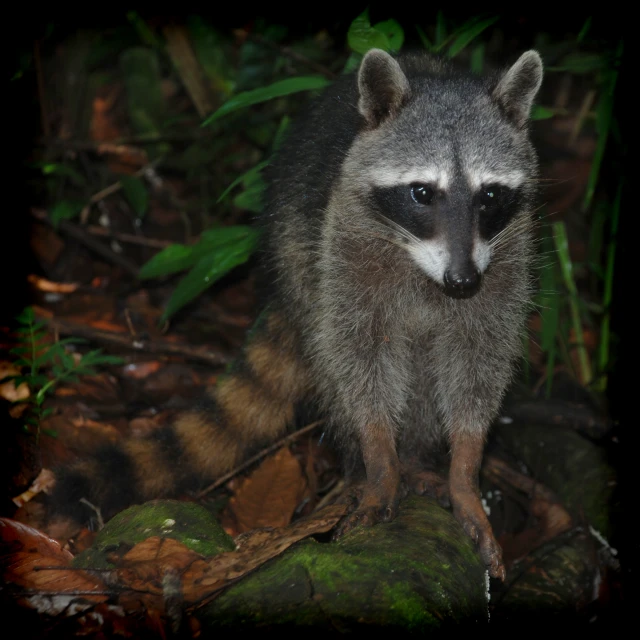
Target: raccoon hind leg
426, 482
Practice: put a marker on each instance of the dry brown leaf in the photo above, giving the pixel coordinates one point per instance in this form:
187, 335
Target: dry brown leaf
101, 387
206, 577
140, 370
44, 482
25, 557
8, 389
42, 284
270, 495
107, 325
145, 566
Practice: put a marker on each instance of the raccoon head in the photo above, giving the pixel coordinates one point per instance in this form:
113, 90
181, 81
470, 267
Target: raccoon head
445, 161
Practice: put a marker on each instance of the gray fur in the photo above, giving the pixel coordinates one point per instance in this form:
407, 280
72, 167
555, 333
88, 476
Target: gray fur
384, 343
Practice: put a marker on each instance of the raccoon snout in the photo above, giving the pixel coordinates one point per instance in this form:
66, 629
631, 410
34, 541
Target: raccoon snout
462, 285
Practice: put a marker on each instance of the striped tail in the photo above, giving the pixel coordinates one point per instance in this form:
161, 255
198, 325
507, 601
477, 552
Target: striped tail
249, 407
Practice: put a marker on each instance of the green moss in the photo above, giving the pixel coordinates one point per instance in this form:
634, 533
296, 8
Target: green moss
408, 574
186, 522
406, 606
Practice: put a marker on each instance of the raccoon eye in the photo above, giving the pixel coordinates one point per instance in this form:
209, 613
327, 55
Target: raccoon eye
490, 197
423, 193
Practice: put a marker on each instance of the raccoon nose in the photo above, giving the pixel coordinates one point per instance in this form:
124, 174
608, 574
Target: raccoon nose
462, 285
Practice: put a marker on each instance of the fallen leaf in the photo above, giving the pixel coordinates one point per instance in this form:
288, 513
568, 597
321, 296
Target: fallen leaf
42, 284
140, 370
8, 389
44, 482
40, 569
144, 567
270, 495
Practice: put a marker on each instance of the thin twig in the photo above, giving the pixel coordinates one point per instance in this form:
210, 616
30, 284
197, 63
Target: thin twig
78, 232
201, 354
116, 186
276, 445
94, 230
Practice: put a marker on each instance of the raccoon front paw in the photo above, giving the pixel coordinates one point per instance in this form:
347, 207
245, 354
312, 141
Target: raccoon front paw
369, 509
474, 521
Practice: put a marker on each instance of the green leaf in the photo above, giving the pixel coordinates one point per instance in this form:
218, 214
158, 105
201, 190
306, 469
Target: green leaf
441, 30
57, 371
352, 63
142, 75
280, 134
605, 330
604, 119
208, 271
55, 168
64, 341
37, 380
585, 29
394, 33
539, 112
246, 178
101, 359
65, 210
67, 360
221, 236
477, 58
468, 34
179, 257
174, 258
20, 350
549, 299
562, 247
82, 371
362, 36
251, 198
275, 90
208, 47
26, 316
145, 34
136, 194
426, 43
580, 62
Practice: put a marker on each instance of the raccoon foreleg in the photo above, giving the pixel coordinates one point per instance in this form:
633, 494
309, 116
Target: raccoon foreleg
466, 456
378, 497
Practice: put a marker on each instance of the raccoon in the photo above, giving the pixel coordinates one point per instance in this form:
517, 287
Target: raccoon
396, 256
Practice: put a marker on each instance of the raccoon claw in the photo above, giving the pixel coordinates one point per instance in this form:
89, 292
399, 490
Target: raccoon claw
365, 516
368, 510
478, 528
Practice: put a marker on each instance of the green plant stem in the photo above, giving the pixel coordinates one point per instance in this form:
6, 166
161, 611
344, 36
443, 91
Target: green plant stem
605, 329
562, 248
604, 116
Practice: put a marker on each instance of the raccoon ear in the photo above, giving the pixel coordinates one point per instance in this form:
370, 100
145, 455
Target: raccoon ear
518, 87
382, 85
